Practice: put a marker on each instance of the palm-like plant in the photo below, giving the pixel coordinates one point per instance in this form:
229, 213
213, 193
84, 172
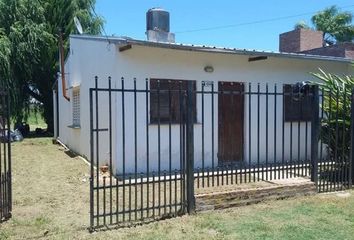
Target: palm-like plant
335, 25
336, 108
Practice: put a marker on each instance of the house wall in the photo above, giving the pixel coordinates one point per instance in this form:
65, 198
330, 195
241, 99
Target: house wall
86, 60
91, 58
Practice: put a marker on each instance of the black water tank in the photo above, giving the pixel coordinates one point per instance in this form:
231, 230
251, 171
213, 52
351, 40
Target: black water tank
158, 19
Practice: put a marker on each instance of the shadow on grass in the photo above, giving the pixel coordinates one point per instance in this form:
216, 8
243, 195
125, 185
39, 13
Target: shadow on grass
33, 134
71, 154
145, 221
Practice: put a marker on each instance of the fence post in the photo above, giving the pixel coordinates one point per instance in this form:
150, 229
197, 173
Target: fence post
8, 103
190, 149
315, 124
92, 162
351, 165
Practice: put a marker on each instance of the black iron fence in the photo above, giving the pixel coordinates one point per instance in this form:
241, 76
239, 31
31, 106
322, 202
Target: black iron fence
335, 155
130, 193
5, 158
157, 143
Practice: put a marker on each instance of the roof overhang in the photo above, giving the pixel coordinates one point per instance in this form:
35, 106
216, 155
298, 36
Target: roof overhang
125, 44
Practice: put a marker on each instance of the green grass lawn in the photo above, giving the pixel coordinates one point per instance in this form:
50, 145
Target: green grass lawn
35, 120
51, 201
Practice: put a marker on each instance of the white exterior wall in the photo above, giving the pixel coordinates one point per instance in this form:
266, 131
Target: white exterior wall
91, 58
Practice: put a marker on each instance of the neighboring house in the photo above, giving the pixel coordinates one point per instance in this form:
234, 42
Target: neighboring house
118, 57
308, 41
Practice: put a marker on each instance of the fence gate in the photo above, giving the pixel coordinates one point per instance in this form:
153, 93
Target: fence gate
132, 180
5, 159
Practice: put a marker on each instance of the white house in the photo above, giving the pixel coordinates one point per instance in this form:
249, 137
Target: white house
160, 58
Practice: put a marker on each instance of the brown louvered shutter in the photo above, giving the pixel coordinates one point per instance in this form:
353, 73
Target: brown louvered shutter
297, 107
165, 94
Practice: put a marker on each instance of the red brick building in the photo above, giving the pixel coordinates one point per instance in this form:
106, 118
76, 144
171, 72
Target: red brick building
311, 42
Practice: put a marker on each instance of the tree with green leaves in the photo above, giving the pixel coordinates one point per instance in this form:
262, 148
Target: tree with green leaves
336, 25
29, 48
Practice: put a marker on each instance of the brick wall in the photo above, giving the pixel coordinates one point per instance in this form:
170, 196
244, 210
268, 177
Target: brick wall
300, 40
244, 197
345, 50
308, 41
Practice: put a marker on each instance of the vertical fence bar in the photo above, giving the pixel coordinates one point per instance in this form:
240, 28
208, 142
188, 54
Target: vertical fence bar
147, 145
190, 150
283, 135
141, 196
330, 163
135, 152
5, 180
104, 200
2, 159
220, 121
306, 145
175, 188
97, 152
314, 136
212, 134
159, 142
169, 140
343, 175
258, 129
322, 163
164, 192
266, 135
4, 172
234, 146
275, 128
289, 166
9, 154
123, 145
351, 165
203, 143
117, 200
181, 143
249, 131
153, 194
298, 160
110, 148
336, 158
130, 198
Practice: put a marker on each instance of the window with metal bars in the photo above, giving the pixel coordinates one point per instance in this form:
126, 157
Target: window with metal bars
168, 100
298, 102
76, 106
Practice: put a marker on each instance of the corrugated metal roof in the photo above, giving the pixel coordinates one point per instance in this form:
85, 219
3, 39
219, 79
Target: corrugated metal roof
213, 49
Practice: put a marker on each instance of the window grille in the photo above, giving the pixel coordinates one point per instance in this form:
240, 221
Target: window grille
76, 106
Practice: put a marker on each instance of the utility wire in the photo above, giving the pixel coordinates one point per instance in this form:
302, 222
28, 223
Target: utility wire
102, 27
253, 22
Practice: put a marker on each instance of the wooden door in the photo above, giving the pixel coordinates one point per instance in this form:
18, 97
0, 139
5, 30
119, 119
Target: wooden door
230, 120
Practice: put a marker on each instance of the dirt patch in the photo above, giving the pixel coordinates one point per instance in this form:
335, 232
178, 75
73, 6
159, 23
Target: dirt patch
50, 191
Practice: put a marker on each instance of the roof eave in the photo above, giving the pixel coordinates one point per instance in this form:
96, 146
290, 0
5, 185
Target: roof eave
122, 41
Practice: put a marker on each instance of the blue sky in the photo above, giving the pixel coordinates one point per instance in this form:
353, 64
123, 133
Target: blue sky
127, 18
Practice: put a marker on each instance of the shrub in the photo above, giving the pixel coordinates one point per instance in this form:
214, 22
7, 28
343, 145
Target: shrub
336, 104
